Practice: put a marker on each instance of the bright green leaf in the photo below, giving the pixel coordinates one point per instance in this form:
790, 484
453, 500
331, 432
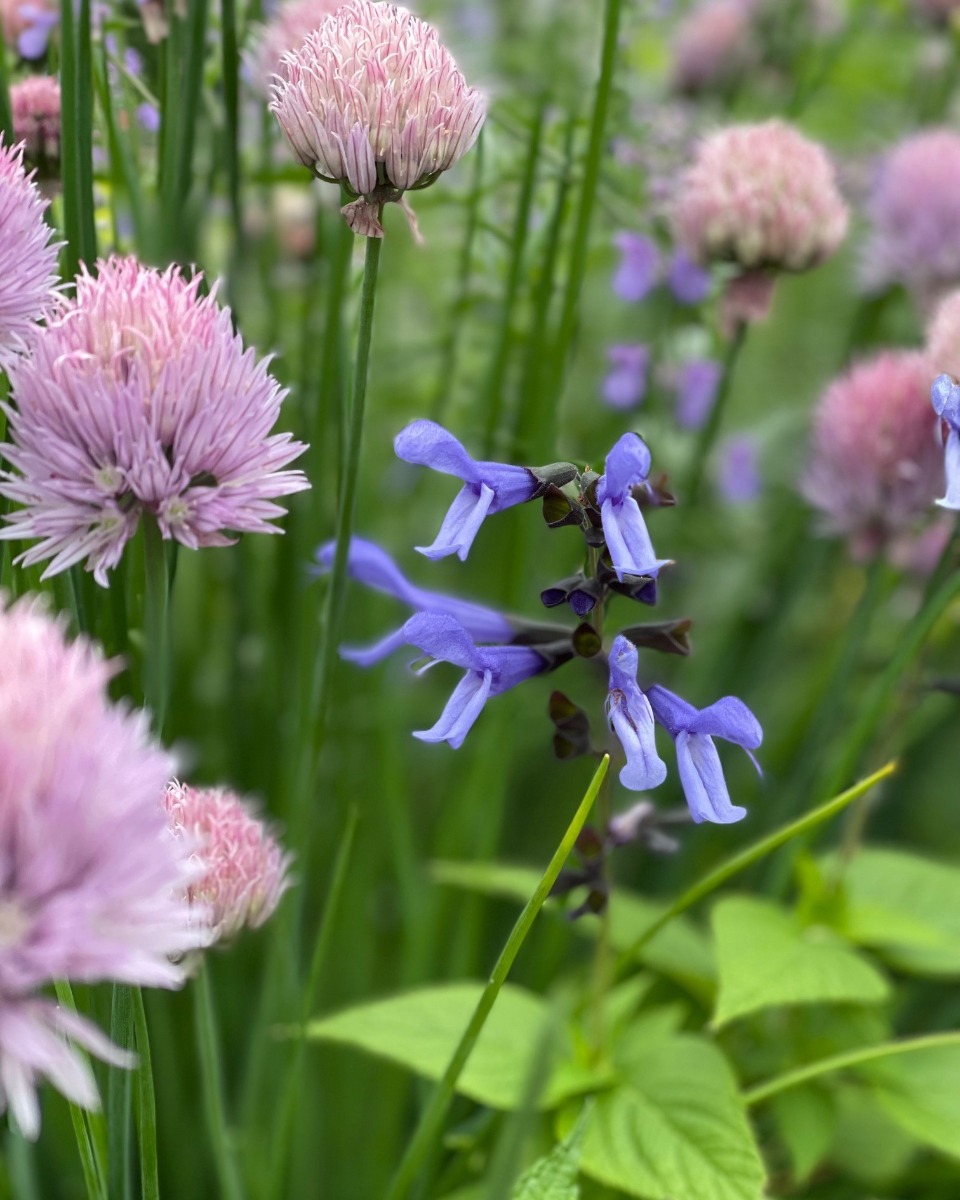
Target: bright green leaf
554, 1177
421, 1029
867, 1146
921, 1092
676, 1130
806, 1120
766, 959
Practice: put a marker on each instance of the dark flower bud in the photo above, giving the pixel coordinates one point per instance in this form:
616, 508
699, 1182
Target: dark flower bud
559, 509
572, 737
669, 637
587, 643
554, 475
654, 493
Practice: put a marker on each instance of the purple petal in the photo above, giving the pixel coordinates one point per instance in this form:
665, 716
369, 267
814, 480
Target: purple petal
149, 117
510, 485
689, 282
639, 266
623, 660
626, 384
430, 445
697, 384
673, 712
634, 727
628, 541
444, 638
461, 710
951, 462
945, 398
628, 464
369, 656
32, 42
510, 665
703, 783
730, 719
370, 565
739, 480
461, 524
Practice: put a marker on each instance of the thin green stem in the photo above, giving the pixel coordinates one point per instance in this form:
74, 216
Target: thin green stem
211, 1072
87, 1126
119, 1097
746, 858
711, 428
850, 1058
146, 1103
76, 83
231, 105
156, 655
431, 1119
6, 115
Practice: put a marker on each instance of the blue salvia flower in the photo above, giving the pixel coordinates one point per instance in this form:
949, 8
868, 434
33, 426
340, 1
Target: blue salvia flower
693, 730
488, 487
631, 717
945, 397
490, 670
370, 565
631, 551
639, 268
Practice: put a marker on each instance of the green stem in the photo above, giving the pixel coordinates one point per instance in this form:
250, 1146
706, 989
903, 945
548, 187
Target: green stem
850, 1058
208, 1046
432, 1117
231, 105
87, 1126
119, 1095
746, 858
156, 653
146, 1103
711, 428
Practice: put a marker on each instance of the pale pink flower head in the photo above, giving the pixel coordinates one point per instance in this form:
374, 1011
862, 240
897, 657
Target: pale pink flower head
243, 872
762, 196
28, 257
943, 337
876, 464
714, 45
35, 102
91, 881
373, 100
915, 239
285, 33
140, 398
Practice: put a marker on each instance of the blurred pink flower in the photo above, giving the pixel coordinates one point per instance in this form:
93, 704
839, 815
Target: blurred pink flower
28, 257
243, 870
89, 874
915, 239
943, 337
875, 463
762, 196
139, 397
35, 102
372, 99
714, 45
284, 33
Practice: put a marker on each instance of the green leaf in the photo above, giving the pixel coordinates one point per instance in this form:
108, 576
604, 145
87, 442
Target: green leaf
907, 907
554, 1177
867, 1146
766, 959
680, 951
921, 1092
806, 1120
676, 1130
420, 1030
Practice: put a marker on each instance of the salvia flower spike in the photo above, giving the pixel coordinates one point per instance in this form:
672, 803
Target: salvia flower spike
631, 718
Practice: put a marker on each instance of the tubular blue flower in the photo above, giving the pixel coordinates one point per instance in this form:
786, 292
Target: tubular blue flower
698, 380
639, 266
488, 487
626, 382
945, 397
370, 565
689, 282
631, 550
693, 730
739, 474
631, 718
490, 670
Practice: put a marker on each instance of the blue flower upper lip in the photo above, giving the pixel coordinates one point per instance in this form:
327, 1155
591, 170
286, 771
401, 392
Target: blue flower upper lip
631, 551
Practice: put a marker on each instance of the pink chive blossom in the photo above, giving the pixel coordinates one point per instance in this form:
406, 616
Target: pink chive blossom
283, 34
762, 196
714, 46
915, 237
35, 103
943, 337
89, 874
373, 100
875, 464
28, 257
140, 398
244, 870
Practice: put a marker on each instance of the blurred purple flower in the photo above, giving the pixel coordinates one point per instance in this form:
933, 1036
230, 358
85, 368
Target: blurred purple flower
626, 383
631, 551
945, 397
370, 565
739, 475
689, 282
30, 25
631, 719
639, 267
693, 730
149, 117
697, 383
489, 487
490, 670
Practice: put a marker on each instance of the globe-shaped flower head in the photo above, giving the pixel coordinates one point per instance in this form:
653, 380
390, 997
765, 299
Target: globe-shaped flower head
284, 33
140, 398
915, 238
91, 881
35, 102
943, 337
876, 465
373, 100
28, 260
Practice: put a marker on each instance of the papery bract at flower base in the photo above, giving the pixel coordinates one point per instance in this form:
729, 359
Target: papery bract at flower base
490, 670
945, 396
91, 882
139, 397
489, 487
631, 718
693, 730
370, 565
631, 551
